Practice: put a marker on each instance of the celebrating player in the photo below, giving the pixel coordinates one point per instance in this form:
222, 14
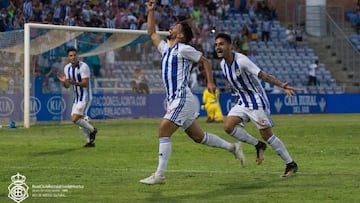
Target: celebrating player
177, 59
252, 103
77, 74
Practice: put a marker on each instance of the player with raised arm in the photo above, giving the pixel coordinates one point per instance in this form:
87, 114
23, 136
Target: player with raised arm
252, 104
177, 59
77, 74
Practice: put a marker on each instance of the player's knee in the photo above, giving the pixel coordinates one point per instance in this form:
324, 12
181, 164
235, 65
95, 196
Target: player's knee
228, 128
197, 139
74, 119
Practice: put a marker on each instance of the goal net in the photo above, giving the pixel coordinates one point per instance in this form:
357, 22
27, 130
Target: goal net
30, 59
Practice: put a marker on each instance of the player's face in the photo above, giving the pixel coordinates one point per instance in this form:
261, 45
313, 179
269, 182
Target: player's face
222, 48
72, 57
174, 31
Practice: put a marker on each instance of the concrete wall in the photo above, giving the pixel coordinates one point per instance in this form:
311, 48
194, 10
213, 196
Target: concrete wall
286, 8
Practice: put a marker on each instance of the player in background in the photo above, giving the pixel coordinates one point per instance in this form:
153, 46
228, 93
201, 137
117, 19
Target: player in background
176, 63
212, 106
77, 74
252, 104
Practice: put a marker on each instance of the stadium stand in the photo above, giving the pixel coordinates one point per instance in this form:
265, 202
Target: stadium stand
288, 64
274, 56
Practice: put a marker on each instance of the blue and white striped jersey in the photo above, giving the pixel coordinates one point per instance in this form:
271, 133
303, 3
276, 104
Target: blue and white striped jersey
176, 65
242, 75
77, 73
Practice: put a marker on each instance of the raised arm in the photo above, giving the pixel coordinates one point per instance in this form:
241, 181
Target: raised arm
290, 91
209, 74
151, 23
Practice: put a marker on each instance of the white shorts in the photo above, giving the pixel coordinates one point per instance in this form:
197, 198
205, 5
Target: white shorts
183, 111
262, 119
80, 108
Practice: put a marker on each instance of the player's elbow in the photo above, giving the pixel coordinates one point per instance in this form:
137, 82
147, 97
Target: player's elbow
151, 32
205, 61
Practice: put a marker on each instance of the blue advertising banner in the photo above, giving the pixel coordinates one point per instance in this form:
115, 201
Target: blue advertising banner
126, 106
301, 103
53, 107
298, 104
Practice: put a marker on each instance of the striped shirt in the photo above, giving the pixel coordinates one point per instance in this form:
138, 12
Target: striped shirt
242, 75
77, 73
176, 65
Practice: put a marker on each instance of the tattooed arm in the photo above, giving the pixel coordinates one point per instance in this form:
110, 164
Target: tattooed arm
289, 90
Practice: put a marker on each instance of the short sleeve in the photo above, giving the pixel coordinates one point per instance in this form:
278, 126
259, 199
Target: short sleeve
163, 46
248, 65
190, 53
84, 70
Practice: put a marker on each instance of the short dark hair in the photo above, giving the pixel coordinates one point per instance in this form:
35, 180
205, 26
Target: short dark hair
187, 31
71, 49
224, 36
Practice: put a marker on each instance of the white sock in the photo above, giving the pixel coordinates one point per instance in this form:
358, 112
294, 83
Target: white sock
85, 133
164, 154
279, 148
215, 141
85, 124
243, 136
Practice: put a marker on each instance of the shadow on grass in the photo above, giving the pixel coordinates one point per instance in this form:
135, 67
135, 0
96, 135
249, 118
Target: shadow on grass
56, 152
225, 192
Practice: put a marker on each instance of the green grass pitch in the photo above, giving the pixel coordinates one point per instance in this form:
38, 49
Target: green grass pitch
59, 169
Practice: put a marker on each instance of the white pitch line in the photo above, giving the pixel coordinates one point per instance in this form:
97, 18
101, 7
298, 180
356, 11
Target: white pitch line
126, 169
240, 171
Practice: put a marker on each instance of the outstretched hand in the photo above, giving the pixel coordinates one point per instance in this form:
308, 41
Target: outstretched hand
61, 76
289, 90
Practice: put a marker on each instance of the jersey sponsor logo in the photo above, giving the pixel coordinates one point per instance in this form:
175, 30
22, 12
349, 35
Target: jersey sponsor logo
237, 72
175, 52
56, 105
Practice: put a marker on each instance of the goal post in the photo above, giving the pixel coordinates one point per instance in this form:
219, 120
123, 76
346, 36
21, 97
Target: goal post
44, 38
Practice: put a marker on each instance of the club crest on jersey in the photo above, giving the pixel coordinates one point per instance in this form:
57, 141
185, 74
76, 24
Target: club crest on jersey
237, 72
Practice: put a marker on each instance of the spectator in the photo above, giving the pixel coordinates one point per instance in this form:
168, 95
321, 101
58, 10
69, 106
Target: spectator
28, 10
265, 29
252, 9
196, 15
237, 42
253, 29
3, 84
139, 84
299, 31
51, 83
312, 73
290, 36
37, 7
245, 38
